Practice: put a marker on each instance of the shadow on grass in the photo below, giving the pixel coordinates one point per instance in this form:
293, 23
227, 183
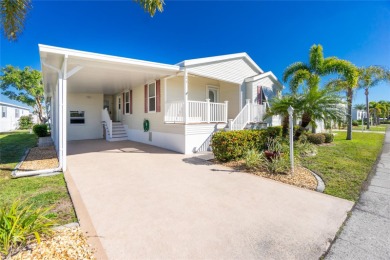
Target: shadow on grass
13, 146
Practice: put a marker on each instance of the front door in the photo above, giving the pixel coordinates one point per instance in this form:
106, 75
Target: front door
119, 104
213, 94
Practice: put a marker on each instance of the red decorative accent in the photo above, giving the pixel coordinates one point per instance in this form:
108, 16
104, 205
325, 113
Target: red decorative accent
131, 101
146, 97
158, 96
259, 95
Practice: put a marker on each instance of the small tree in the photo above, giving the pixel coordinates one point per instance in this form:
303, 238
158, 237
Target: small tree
25, 122
25, 86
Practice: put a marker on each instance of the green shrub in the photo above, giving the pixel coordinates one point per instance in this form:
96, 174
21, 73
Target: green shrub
40, 130
19, 223
25, 122
274, 131
305, 149
316, 138
277, 165
355, 123
252, 159
233, 145
328, 137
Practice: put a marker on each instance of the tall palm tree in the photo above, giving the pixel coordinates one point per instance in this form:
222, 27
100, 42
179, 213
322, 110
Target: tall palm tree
370, 77
13, 14
309, 75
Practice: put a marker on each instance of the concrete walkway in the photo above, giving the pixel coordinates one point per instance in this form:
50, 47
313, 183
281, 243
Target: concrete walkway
143, 202
366, 234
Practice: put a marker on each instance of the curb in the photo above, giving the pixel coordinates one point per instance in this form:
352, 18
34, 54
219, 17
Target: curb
320, 182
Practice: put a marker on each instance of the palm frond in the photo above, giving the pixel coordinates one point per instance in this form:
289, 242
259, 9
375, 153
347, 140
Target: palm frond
293, 68
298, 78
316, 57
151, 6
12, 16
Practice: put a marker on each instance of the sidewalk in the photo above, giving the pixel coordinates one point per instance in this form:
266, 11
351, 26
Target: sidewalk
366, 234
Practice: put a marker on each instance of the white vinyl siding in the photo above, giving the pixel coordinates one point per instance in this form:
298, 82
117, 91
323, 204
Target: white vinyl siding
235, 70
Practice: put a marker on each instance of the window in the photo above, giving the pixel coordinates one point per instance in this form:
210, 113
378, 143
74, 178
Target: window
77, 117
152, 97
127, 102
4, 111
17, 113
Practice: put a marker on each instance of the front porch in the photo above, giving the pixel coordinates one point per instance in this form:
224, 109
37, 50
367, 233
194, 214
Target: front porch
196, 112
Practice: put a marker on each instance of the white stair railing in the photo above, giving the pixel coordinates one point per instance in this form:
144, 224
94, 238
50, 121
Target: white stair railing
108, 122
251, 112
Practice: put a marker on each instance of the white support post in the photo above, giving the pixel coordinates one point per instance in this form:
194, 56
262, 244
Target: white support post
65, 126
249, 109
208, 110
185, 96
64, 111
230, 124
226, 110
60, 120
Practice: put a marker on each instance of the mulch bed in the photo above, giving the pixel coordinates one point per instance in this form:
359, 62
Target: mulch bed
40, 158
67, 243
302, 177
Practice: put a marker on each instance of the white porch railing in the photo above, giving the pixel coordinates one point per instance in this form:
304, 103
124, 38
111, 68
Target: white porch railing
107, 122
251, 112
198, 112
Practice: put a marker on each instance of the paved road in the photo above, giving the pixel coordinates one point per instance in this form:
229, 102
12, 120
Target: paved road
145, 202
366, 234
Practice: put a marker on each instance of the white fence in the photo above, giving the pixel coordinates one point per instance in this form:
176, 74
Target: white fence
198, 112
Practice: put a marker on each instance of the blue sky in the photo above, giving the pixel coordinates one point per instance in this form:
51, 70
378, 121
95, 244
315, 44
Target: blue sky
275, 34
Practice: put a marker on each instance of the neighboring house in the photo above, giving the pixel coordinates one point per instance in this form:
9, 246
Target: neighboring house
358, 114
10, 115
93, 96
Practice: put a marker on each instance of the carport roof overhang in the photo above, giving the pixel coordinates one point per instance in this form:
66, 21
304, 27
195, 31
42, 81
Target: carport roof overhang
88, 72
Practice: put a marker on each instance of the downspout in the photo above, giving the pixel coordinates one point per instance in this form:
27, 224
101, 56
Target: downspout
60, 130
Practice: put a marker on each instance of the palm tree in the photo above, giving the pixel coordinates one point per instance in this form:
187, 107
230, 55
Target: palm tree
369, 77
309, 75
13, 14
376, 109
312, 105
360, 107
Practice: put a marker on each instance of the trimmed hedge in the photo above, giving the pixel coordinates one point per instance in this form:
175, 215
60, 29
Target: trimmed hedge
316, 138
328, 138
355, 123
233, 145
274, 131
40, 130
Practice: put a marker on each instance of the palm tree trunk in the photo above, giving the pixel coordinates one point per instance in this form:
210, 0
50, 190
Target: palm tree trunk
285, 124
349, 113
367, 109
306, 119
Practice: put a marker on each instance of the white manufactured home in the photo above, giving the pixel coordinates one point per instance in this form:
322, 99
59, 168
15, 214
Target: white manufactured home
10, 115
176, 107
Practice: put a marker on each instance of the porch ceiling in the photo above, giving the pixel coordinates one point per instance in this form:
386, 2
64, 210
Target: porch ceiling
100, 73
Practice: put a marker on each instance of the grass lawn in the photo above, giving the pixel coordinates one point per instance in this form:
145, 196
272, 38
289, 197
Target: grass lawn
345, 165
381, 128
40, 191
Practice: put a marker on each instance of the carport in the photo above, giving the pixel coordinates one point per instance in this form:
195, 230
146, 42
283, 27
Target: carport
144, 202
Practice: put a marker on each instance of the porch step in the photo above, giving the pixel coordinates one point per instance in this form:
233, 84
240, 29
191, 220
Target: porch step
118, 132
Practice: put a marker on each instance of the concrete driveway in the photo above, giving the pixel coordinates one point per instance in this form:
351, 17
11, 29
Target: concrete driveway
143, 202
